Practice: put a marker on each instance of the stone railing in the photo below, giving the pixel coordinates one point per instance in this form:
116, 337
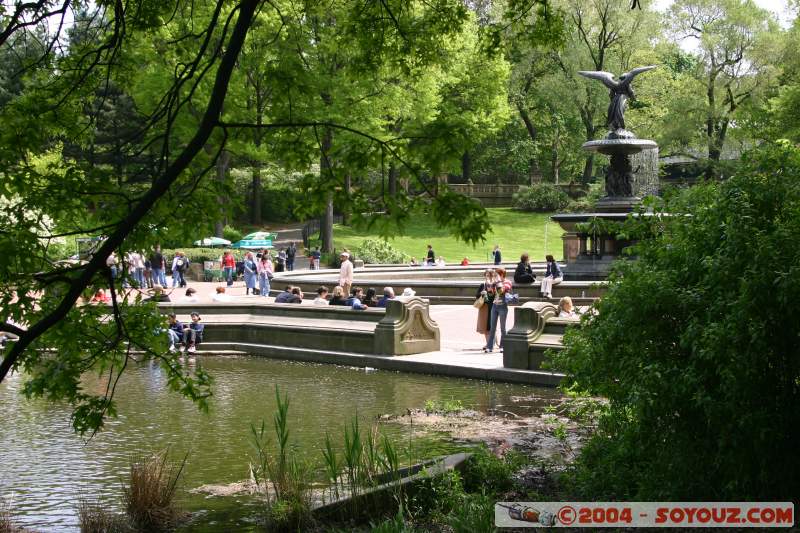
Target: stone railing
404, 327
407, 328
536, 330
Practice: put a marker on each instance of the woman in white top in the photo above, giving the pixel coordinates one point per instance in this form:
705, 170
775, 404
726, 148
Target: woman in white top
322, 296
566, 309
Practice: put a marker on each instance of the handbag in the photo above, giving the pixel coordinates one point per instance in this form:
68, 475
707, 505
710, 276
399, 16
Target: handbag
478, 303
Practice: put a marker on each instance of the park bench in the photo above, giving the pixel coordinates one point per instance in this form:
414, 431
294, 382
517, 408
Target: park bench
404, 327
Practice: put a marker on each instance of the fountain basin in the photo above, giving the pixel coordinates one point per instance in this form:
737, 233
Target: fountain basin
621, 146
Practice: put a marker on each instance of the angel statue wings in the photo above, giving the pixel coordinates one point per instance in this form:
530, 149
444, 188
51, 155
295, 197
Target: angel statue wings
620, 91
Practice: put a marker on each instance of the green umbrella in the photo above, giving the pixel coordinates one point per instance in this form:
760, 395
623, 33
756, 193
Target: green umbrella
212, 241
260, 235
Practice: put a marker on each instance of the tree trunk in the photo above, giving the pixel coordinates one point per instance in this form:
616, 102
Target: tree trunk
348, 184
466, 167
223, 161
326, 173
256, 207
392, 179
588, 168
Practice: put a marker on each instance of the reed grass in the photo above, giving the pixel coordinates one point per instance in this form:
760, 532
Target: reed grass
149, 493
94, 517
7, 524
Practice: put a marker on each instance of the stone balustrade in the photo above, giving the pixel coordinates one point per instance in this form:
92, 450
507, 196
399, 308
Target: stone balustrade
537, 329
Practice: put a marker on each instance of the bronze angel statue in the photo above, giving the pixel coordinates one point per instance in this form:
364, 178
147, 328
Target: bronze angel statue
620, 89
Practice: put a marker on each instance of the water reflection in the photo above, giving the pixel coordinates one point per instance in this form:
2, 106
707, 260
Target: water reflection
45, 468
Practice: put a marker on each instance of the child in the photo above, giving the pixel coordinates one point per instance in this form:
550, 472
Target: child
193, 334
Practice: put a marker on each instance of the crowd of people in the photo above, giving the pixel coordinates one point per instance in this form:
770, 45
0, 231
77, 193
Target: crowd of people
493, 297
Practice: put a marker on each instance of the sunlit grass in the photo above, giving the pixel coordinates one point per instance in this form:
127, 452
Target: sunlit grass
515, 231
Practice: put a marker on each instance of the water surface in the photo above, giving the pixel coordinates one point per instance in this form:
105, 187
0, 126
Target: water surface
45, 468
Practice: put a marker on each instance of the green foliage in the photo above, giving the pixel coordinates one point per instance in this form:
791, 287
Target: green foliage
379, 251
485, 471
540, 197
232, 234
95, 517
475, 514
703, 396
437, 496
443, 406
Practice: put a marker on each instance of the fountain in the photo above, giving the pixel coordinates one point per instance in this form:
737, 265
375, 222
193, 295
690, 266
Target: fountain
589, 255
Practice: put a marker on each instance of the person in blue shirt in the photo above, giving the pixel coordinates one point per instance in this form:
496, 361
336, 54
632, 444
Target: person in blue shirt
388, 294
552, 276
355, 300
193, 334
175, 331
496, 255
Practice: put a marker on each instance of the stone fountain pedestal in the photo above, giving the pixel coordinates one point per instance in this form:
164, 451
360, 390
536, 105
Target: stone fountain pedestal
590, 256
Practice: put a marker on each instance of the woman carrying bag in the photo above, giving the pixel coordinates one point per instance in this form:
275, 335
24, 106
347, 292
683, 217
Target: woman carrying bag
484, 299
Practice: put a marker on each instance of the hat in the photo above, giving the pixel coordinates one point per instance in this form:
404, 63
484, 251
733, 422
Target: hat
408, 291
344, 254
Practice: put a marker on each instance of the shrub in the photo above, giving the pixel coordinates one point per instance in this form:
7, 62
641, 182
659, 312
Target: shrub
695, 347
232, 234
149, 494
486, 471
379, 251
540, 197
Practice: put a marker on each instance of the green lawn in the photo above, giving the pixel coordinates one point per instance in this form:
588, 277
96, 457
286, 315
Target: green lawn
515, 231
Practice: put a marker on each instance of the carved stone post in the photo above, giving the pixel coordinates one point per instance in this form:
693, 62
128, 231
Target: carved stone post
407, 328
529, 322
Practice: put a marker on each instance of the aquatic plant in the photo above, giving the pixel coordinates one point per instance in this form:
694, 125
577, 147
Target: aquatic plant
280, 474
149, 492
7, 524
443, 406
94, 517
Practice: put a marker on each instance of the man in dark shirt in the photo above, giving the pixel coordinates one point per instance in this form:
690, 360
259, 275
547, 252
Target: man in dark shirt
291, 295
157, 266
290, 253
431, 257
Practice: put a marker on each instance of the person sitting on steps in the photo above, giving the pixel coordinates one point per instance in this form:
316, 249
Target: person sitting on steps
524, 272
193, 333
552, 276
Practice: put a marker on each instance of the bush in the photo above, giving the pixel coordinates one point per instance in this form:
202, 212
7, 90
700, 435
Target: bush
232, 234
540, 197
379, 251
687, 347
486, 471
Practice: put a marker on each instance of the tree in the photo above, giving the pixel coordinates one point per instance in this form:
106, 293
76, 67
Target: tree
736, 61
186, 122
684, 346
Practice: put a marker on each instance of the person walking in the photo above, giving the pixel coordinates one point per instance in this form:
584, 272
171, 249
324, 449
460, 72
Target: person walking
157, 267
280, 260
228, 266
430, 258
265, 271
524, 272
496, 255
346, 273
499, 311
316, 255
179, 263
291, 253
552, 276
250, 273
111, 263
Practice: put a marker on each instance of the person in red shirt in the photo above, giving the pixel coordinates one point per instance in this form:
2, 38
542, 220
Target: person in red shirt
465, 262
228, 266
